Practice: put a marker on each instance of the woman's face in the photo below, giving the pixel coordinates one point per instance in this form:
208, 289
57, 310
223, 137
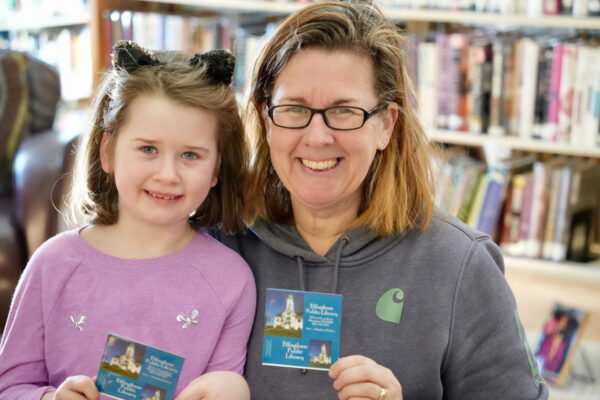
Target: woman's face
322, 168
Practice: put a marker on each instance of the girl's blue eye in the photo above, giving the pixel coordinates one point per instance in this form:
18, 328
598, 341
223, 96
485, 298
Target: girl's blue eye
148, 149
188, 155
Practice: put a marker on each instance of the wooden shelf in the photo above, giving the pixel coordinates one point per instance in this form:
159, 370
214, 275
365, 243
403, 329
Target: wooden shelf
18, 22
568, 271
513, 142
405, 14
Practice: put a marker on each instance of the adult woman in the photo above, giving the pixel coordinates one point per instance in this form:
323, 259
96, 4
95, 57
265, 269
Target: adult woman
341, 202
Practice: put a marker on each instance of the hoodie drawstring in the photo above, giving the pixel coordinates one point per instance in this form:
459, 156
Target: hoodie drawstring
336, 266
300, 273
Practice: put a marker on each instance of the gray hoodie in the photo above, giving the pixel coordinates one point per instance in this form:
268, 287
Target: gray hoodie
432, 306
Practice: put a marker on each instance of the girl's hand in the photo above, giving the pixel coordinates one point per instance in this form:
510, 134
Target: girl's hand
216, 385
77, 387
359, 377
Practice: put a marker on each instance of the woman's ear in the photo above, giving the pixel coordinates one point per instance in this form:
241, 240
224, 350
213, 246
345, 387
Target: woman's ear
105, 153
266, 121
389, 118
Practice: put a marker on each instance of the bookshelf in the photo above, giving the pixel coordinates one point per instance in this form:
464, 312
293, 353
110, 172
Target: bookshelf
56, 33
571, 275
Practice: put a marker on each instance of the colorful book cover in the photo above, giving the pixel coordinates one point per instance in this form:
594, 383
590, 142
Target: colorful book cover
558, 343
132, 370
302, 329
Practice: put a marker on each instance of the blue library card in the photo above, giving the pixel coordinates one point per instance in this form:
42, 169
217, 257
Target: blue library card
132, 370
302, 329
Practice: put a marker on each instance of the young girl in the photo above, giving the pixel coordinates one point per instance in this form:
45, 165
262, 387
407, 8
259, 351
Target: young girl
164, 157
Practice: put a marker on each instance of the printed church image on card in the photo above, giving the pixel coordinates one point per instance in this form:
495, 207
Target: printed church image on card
558, 343
130, 370
302, 329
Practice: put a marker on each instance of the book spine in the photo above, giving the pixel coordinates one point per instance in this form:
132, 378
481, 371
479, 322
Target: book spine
492, 202
496, 93
554, 98
552, 213
558, 248
509, 243
567, 81
427, 78
542, 94
580, 96
520, 245
529, 70
592, 109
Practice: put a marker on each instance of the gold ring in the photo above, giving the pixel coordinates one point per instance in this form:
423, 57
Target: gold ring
382, 394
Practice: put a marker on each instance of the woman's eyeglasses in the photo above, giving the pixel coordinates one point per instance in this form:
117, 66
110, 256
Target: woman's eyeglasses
342, 118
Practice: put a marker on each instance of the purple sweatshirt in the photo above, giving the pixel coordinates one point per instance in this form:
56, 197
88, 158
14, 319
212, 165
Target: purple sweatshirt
71, 296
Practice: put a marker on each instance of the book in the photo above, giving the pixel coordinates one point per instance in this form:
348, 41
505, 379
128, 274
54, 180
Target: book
477, 202
131, 370
542, 93
480, 79
528, 79
302, 329
427, 83
542, 171
552, 214
499, 176
558, 343
583, 212
581, 96
510, 239
567, 82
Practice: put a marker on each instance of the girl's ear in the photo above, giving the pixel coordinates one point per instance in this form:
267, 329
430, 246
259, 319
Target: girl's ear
389, 121
105, 154
217, 170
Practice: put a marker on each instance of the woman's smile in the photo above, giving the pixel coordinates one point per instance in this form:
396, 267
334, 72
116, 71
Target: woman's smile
320, 165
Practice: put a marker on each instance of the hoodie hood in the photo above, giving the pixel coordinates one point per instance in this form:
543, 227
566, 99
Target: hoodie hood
361, 244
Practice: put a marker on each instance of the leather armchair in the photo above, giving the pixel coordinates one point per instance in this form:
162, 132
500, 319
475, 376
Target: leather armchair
41, 181
36, 178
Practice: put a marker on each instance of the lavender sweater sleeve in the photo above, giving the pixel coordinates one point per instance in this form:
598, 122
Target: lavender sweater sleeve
22, 362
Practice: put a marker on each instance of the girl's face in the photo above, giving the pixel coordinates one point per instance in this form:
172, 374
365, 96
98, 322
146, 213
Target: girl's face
165, 161
322, 168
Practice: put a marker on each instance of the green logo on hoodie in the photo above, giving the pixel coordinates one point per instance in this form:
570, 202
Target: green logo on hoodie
389, 306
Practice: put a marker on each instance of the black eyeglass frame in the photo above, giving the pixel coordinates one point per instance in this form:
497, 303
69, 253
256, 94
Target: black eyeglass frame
322, 111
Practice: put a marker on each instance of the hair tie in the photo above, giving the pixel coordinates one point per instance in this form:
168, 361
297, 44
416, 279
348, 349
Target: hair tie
129, 55
219, 65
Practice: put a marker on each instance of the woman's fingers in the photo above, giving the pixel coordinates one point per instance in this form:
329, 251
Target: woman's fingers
360, 377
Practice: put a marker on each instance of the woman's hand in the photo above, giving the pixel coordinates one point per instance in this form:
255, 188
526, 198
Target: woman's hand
216, 385
78, 387
359, 377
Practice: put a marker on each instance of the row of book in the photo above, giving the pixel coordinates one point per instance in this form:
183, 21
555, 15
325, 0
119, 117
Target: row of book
42, 7
67, 49
579, 8
159, 31
539, 87
532, 208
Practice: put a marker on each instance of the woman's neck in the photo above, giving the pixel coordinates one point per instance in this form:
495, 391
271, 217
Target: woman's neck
321, 231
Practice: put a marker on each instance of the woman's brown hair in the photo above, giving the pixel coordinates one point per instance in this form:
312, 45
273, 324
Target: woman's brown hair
175, 79
398, 188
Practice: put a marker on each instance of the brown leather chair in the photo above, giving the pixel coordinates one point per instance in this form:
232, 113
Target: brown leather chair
41, 180
34, 187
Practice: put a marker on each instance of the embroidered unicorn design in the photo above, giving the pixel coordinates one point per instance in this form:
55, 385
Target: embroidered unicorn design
187, 319
78, 321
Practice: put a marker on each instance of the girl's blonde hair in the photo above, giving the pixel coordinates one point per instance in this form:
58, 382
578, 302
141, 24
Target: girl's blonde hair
175, 79
398, 188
